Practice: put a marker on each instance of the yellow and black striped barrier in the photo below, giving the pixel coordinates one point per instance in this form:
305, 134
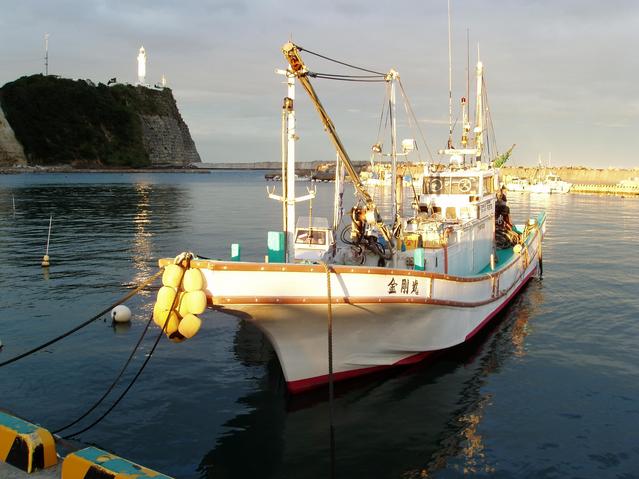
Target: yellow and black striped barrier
25, 445
94, 463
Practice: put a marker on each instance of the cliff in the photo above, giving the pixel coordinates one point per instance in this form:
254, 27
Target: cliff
58, 121
11, 151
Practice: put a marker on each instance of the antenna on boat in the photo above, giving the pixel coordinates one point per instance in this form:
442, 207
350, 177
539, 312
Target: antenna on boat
450, 84
393, 76
479, 120
465, 100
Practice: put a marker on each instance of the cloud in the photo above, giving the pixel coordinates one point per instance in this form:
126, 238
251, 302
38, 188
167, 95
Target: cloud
551, 67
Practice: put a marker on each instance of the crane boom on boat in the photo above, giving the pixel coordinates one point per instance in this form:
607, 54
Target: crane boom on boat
298, 68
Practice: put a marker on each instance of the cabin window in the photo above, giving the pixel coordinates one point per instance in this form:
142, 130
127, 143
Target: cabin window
304, 236
488, 185
451, 185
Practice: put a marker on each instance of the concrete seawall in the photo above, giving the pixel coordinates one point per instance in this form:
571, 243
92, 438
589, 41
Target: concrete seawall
573, 174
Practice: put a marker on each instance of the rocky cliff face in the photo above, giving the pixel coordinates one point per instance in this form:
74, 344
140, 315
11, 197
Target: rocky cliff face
167, 140
58, 121
11, 152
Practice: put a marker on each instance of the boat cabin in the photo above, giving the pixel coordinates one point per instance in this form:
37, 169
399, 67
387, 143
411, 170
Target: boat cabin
313, 238
455, 223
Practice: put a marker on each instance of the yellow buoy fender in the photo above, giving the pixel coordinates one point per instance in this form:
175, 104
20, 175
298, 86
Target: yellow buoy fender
189, 326
159, 316
182, 305
195, 302
172, 275
166, 295
173, 324
193, 280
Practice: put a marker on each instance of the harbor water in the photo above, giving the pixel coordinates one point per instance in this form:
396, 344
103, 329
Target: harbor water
550, 389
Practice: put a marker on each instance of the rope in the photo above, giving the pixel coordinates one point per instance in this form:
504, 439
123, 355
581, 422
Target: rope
412, 112
337, 61
323, 76
86, 323
331, 390
178, 259
115, 381
313, 74
330, 328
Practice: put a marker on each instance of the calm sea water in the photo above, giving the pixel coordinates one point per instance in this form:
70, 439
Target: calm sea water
550, 390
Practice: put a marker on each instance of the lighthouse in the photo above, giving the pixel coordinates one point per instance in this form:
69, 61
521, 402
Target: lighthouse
142, 67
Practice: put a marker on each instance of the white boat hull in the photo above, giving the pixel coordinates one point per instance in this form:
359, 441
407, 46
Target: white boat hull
381, 317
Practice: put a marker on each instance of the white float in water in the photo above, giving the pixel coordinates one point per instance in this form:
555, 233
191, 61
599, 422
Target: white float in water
121, 314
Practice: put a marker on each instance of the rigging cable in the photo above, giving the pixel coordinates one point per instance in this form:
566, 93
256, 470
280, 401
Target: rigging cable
325, 76
341, 63
87, 322
412, 112
312, 74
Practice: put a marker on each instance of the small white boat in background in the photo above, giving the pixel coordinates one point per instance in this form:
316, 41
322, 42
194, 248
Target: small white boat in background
545, 181
517, 184
556, 184
551, 184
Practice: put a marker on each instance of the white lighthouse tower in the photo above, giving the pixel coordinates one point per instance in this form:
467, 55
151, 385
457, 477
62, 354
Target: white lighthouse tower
142, 67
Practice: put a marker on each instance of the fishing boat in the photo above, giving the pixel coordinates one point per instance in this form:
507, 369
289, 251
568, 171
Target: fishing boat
341, 300
545, 181
550, 184
517, 184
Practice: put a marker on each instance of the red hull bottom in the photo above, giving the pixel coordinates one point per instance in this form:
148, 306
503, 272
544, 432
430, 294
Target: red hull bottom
303, 385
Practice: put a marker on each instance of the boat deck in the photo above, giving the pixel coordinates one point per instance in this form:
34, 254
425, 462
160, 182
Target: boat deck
503, 258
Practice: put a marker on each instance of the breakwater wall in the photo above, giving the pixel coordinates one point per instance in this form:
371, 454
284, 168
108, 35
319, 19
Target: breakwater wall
572, 174
275, 165
605, 189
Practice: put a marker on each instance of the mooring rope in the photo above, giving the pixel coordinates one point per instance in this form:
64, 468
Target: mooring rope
113, 384
87, 322
187, 258
331, 391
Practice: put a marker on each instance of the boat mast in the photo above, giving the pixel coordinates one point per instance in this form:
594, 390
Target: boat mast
290, 169
479, 120
450, 84
464, 101
393, 75
289, 137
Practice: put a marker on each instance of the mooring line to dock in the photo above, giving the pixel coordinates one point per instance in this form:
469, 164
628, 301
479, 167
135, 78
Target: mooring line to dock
146, 360
87, 322
113, 384
121, 396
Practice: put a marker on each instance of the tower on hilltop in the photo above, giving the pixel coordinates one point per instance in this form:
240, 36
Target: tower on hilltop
142, 67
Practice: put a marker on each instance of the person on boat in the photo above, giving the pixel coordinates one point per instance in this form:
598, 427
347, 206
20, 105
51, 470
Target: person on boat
505, 236
501, 194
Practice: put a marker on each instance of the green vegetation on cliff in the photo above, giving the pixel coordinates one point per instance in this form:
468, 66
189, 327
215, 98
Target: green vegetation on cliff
62, 121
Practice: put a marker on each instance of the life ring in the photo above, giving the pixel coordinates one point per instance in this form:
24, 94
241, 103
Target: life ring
435, 185
465, 185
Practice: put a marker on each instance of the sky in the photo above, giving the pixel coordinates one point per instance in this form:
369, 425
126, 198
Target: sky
561, 75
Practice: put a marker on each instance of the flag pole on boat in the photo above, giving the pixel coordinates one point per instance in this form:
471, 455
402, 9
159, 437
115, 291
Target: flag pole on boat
45, 258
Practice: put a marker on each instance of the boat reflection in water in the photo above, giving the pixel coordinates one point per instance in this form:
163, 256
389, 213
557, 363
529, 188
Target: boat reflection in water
411, 423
